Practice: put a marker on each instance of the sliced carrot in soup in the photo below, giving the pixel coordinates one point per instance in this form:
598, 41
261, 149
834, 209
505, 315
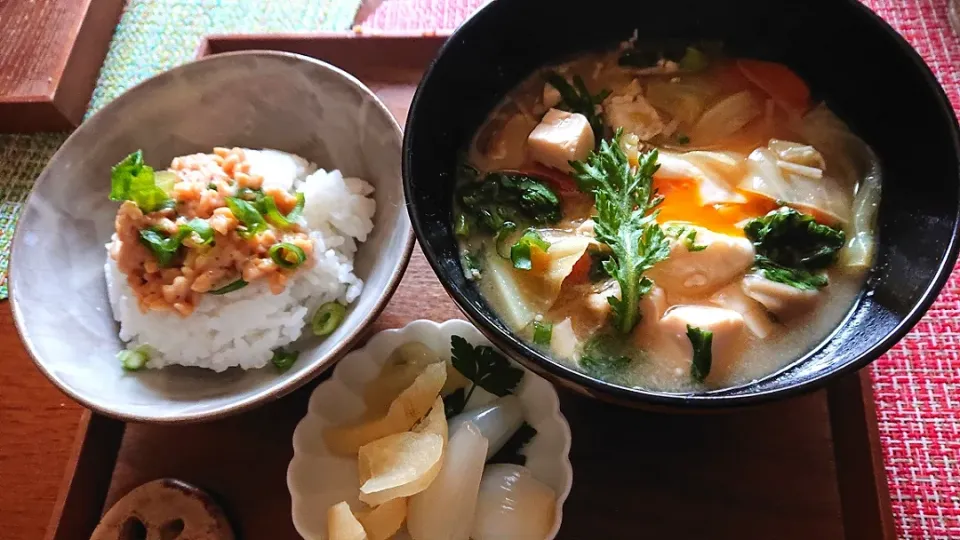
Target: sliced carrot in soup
539, 260
558, 180
785, 87
581, 270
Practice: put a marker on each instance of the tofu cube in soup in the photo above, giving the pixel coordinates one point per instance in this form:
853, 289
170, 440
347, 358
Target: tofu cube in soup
629, 110
725, 324
720, 259
782, 300
561, 137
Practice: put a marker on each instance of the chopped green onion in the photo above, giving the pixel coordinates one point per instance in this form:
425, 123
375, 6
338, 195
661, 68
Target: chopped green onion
287, 255
131, 180
472, 265
274, 216
248, 194
133, 359
199, 227
521, 251
690, 241
212, 186
246, 214
164, 249
284, 360
230, 287
542, 333
327, 318
694, 60
165, 180
506, 229
683, 138
462, 227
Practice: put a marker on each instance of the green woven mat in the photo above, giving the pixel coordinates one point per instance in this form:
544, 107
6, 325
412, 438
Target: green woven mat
153, 36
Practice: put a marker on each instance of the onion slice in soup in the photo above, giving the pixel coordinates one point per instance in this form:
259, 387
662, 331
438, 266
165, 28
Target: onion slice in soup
685, 101
861, 236
755, 316
824, 197
846, 156
850, 159
526, 293
713, 187
726, 117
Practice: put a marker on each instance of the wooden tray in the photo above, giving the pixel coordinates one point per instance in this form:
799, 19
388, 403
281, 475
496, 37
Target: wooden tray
50, 55
806, 468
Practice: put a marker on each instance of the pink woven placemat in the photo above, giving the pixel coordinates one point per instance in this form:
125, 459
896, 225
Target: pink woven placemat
917, 384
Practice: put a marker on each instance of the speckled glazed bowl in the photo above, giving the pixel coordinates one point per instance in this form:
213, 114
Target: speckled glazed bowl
251, 99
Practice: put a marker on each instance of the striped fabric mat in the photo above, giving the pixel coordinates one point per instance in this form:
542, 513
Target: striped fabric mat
917, 383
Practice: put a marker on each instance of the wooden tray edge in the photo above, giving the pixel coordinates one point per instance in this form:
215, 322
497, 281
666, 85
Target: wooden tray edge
87, 477
217, 43
864, 493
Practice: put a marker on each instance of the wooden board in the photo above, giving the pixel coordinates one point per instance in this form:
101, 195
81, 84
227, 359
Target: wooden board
805, 468
50, 57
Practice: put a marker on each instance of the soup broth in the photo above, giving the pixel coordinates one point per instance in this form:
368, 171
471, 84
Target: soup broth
673, 222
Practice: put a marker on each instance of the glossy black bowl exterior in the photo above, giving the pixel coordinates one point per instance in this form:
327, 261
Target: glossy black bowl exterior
864, 70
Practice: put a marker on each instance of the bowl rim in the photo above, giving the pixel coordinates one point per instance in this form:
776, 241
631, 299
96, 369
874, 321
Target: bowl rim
282, 386
716, 400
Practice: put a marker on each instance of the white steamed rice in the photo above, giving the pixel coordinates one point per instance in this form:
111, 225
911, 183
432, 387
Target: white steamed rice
242, 328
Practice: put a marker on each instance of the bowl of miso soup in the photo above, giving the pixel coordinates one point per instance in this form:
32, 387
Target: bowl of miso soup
685, 204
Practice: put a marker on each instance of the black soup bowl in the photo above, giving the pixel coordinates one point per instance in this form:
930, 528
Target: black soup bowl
852, 59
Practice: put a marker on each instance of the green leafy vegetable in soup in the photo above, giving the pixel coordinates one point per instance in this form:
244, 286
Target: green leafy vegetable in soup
702, 343
500, 198
607, 358
578, 99
790, 245
794, 277
794, 239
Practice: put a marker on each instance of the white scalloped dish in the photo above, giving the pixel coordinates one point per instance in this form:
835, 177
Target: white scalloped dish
318, 479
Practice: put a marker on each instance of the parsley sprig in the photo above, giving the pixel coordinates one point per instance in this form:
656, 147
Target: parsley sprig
483, 366
625, 221
577, 98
